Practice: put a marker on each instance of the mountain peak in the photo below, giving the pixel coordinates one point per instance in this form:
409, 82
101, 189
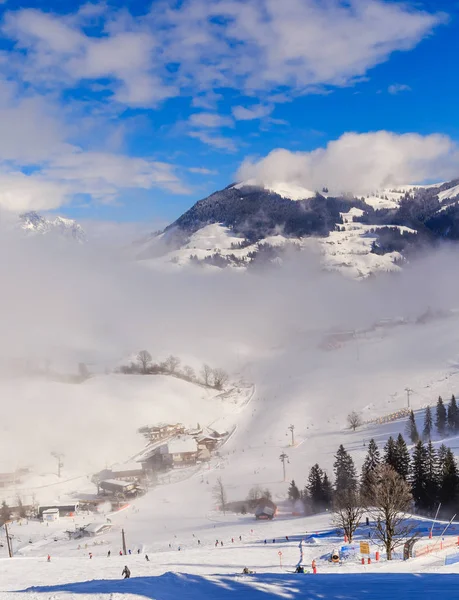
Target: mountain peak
34, 223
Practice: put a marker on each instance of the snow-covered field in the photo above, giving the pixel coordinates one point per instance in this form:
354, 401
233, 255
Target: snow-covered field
294, 384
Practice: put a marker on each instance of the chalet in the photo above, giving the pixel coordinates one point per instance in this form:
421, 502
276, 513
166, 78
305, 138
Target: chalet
265, 509
207, 442
162, 431
183, 450
127, 472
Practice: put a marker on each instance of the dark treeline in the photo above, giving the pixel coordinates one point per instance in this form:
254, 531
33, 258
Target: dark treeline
430, 474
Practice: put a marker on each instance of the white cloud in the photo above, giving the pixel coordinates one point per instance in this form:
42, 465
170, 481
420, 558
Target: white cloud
252, 45
202, 171
257, 111
259, 45
101, 176
210, 120
20, 192
360, 163
217, 141
396, 88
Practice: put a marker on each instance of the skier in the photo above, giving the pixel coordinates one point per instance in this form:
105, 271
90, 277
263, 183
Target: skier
240, 538
146, 558
232, 540
286, 537
221, 543
246, 571
121, 554
90, 555
299, 569
314, 566
49, 558
129, 551
199, 542
138, 551
108, 554
126, 572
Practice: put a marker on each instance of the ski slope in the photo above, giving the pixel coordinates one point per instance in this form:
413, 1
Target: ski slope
295, 383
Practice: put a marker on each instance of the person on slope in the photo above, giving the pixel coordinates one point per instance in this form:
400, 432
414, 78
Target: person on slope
126, 572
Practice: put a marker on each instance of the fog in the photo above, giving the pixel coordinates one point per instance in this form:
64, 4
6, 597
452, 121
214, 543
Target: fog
67, 303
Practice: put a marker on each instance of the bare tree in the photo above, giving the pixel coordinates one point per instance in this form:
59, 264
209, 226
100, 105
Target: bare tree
144, 360
171, 364
256, 493
354, 420
220, 377
348, 511
220, 494
391, 498
189, 373
206, 373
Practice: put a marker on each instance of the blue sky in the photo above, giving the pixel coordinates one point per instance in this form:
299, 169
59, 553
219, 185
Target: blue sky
132, 111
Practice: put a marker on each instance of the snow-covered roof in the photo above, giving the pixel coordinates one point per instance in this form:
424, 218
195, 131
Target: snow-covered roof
118, 482
130, 466
94, 527
179, 445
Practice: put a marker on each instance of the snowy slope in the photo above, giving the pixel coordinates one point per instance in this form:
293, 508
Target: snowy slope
314, 390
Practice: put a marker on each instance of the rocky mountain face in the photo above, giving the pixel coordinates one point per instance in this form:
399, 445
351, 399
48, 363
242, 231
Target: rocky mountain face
244, 224
33, 223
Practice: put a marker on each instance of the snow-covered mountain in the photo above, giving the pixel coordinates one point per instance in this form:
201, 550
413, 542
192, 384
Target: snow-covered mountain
360, 234
33, 223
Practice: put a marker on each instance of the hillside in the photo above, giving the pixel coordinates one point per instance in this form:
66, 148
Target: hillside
244, 225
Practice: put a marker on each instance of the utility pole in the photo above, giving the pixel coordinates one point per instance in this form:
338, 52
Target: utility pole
123, 538
408, 391
8, 542
60, 464
283, 457
292, 429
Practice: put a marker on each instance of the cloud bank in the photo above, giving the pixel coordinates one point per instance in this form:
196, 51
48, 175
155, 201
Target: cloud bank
360, 163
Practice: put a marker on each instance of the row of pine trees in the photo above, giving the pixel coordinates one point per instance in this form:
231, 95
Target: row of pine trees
446, 421
432, 475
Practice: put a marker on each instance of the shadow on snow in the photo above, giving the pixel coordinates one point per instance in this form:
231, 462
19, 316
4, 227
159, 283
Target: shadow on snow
171, 586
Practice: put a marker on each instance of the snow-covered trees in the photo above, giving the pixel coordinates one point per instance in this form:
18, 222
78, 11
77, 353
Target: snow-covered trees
402, 458
453, 415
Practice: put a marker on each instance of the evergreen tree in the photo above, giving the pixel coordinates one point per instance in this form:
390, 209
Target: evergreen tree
327, 490
411, 429
449, 479
419, 476
453, 416
440, 421
5, 513
402, 458
368, 476
432, 476
390, 457
345, 473
293, 492
314, 487
427, 431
